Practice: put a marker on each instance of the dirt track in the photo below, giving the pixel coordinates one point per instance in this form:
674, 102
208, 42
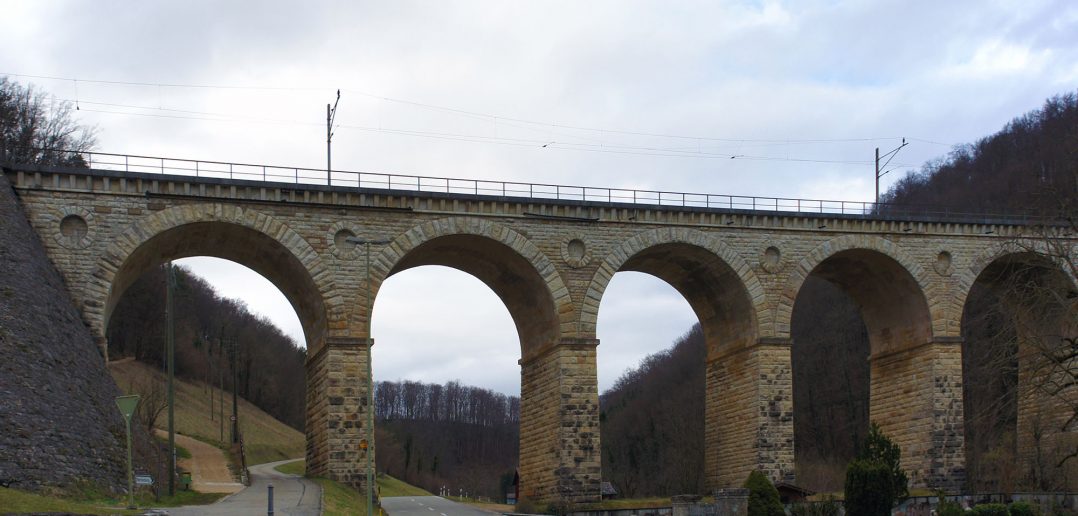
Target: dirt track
208, 466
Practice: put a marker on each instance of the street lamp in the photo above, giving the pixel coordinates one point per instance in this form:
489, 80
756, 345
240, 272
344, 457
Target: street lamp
366, 243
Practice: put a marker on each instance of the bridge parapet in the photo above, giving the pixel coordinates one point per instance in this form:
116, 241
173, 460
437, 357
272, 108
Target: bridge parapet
339, 180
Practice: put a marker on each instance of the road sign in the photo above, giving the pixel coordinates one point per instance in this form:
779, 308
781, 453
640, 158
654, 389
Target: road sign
127, 405
231, 418
363, 444
144, 480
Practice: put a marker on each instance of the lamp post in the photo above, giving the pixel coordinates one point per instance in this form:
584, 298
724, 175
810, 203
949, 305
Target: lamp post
366, 243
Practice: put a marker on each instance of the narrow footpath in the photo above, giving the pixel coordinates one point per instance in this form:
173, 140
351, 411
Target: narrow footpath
293, 495
208, 466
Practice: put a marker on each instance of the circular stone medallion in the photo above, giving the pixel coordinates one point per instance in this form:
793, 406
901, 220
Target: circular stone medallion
576, 252
771, 259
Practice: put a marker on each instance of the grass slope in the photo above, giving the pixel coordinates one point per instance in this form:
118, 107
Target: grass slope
265, 438
15, 501
340, 499
389, 486
91, 501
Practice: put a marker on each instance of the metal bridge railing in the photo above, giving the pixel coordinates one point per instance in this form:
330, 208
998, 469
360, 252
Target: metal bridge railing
512, 189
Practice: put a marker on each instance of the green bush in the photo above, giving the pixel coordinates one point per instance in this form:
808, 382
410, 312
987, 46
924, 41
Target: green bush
763, 497
990, 509
1023, 509
869, 489
880, 448
875, 480
948, 508
827, 507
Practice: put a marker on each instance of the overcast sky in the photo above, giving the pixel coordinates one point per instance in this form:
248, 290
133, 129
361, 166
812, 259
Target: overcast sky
622, 94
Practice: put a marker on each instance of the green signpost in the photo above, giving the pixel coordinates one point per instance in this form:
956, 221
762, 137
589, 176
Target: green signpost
127, 405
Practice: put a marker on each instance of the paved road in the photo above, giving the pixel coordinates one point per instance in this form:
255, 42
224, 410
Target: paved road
428, 506
292, 496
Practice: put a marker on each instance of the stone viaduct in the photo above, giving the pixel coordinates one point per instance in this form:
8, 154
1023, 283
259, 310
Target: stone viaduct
549, 261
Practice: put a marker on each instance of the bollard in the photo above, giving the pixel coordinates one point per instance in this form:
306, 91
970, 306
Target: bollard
269, 489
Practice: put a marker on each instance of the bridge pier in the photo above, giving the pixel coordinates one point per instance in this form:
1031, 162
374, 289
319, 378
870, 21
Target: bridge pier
336, 411
749, 414
559, 423
916, 398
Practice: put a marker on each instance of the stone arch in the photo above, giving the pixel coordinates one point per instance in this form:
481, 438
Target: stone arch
914, 366
968, 275
1020, 294
922, 290
723, 272
506, 261
246, 236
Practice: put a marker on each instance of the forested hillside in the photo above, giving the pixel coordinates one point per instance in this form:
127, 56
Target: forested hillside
1031, 165
652, 423
451, 435
269, 366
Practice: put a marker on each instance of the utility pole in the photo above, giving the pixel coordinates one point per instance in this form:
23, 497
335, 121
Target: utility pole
221, 384
235, 381
209, 380
331, 115
889, 156
170, 355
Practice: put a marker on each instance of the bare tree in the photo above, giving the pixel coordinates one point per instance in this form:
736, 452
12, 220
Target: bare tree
38, 128
152, 400
1022, 330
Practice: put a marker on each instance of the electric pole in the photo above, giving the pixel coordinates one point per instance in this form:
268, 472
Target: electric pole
235, 412
170, 352
889, 156
331, 115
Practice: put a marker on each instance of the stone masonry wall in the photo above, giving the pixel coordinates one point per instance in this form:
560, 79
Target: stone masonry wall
775, 430
749, 416
58, 419
337, 411
540, 426
559, 442
580, 472
916, 398
316, 427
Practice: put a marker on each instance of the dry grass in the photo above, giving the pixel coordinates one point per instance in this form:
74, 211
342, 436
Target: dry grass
265, 438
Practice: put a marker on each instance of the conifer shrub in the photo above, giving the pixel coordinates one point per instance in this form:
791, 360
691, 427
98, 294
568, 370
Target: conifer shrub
875, 480
1022, 509
763, 497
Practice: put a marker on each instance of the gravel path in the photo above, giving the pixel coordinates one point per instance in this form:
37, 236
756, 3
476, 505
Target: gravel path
208, 466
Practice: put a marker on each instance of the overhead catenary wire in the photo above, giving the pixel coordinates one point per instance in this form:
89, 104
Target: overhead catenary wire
475, 138
475, 114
